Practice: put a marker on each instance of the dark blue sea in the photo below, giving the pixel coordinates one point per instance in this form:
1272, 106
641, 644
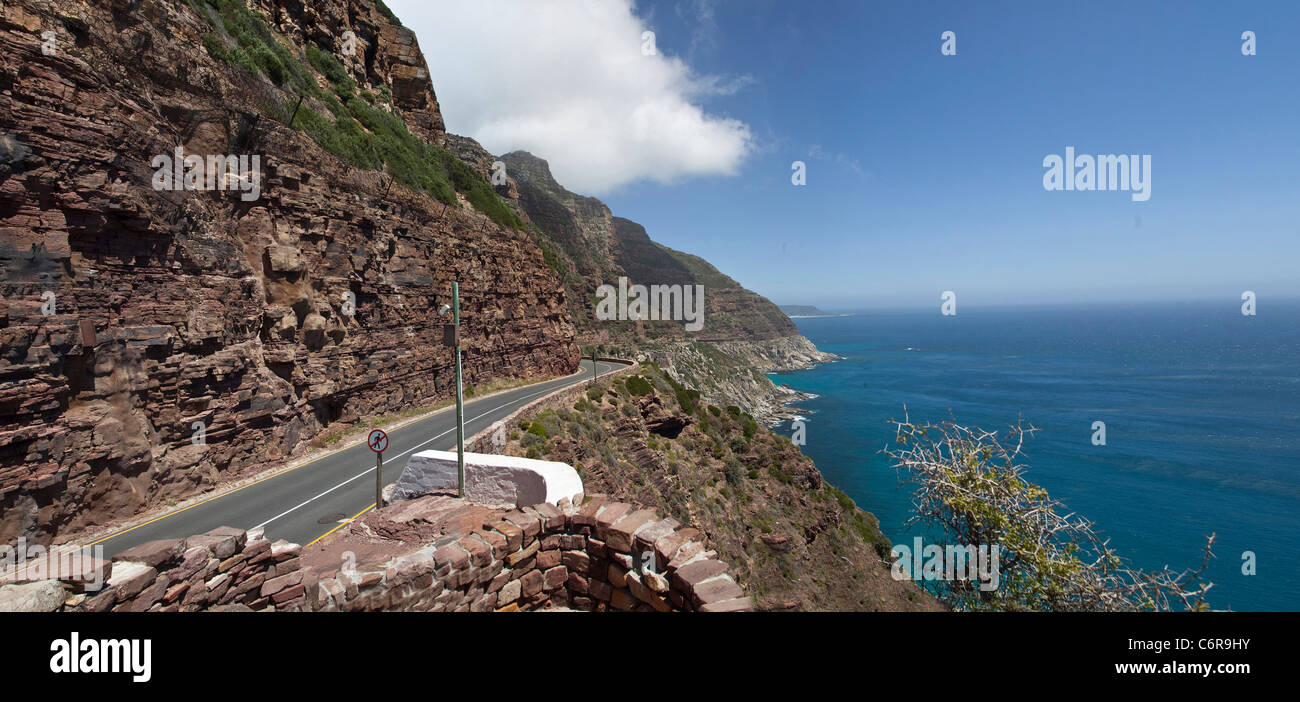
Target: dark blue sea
1201, 406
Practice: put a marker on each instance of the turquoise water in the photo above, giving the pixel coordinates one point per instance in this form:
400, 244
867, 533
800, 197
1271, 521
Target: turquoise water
1200, 404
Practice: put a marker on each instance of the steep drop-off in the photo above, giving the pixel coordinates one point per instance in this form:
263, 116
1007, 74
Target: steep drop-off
154, 342
794, 541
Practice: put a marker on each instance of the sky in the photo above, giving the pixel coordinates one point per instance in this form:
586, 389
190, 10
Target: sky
924, 171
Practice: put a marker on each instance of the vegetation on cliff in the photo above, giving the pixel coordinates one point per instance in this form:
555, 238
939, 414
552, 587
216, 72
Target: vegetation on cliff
794, 541
361, 126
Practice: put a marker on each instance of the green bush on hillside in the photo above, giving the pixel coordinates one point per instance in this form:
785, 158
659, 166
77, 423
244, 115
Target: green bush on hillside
638, 386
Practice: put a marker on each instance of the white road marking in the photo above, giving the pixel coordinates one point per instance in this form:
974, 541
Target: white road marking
368, 470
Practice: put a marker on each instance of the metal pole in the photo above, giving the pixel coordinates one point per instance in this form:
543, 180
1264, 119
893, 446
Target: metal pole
379, 479
460, 399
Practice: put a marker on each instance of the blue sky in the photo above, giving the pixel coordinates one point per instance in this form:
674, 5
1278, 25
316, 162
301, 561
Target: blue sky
925, 171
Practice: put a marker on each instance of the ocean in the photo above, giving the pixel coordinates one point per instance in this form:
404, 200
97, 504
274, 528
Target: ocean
1201, 406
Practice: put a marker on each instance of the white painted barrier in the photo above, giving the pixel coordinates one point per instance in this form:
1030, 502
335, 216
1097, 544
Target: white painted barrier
490, 480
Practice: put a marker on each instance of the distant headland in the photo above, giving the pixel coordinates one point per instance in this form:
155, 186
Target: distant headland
797, 311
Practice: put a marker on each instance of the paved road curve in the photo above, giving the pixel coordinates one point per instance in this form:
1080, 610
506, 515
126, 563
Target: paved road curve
304, 504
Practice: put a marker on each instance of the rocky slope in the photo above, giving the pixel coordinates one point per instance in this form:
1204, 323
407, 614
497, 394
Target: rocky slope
155, 342
794, 542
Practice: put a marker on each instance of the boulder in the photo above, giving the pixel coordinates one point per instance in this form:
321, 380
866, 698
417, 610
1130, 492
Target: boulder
40, 596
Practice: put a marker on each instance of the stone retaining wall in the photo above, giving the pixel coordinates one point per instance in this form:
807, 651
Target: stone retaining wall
602, 555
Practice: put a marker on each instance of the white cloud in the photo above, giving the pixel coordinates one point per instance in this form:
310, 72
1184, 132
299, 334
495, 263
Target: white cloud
567, 81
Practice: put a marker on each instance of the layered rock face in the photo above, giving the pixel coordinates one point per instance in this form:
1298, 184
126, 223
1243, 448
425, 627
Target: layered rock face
599, 247
744, 334
155, 342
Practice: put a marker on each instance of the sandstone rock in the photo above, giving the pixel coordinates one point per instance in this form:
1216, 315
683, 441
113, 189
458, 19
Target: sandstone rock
514, 535
40, 596
548, 559
130, 579
716, 590
620, 533
576, 561
687, 576
158, 554
531, 583
554, 577
519, 556
740, 604
510, 592
274, 585
656, 582
617, 576
621, 599
282, 550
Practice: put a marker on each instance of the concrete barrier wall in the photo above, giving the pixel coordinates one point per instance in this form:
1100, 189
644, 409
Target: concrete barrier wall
491, 480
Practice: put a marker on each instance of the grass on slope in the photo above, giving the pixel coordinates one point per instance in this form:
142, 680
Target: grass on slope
354, 129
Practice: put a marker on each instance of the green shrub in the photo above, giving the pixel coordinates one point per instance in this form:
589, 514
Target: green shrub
254, 47
638, 386
780, 474
733, 472
330, 67
687, 398
383, 10
595, 393
537, 429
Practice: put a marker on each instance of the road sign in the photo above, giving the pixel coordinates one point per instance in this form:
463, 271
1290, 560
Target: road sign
377, 441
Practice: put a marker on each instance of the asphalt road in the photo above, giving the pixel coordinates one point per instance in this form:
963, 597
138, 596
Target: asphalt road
304, 504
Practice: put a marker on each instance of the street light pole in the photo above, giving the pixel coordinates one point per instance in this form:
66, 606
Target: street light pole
460, 397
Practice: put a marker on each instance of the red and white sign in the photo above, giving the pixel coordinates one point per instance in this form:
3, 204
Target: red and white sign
377, 441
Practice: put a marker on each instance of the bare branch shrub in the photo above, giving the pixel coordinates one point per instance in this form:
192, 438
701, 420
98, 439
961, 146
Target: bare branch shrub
971, 484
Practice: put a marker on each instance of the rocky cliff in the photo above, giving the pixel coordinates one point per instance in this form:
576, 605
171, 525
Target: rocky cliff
744, 335
157, 340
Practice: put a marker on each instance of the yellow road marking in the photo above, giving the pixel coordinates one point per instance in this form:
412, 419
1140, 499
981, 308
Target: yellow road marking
353, 519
